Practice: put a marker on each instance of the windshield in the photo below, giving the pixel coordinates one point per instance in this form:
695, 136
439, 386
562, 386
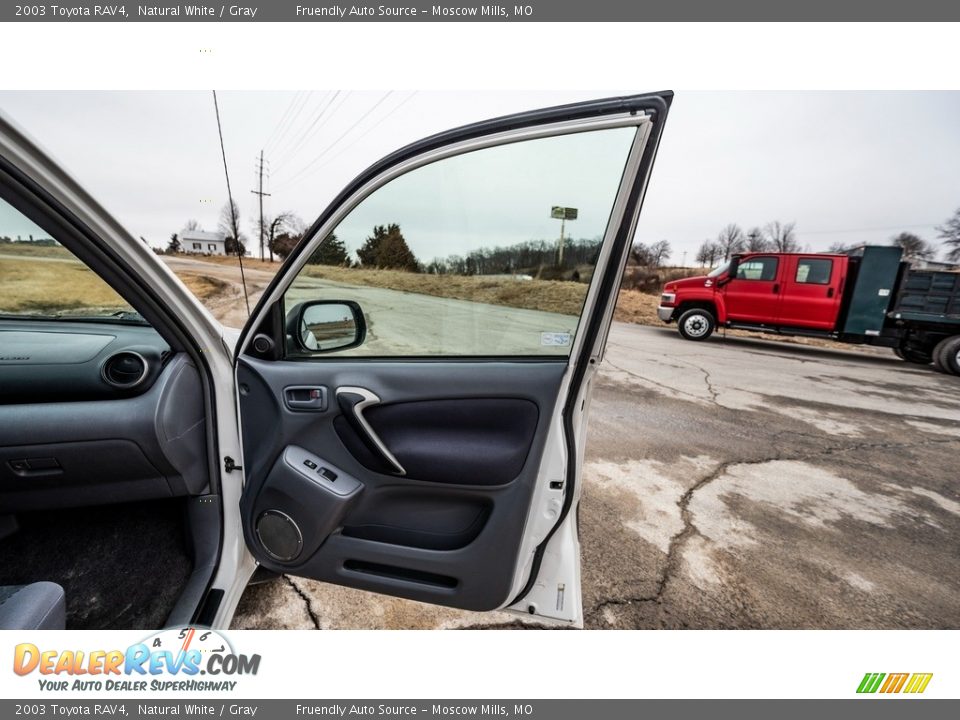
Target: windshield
719, 270
42, 279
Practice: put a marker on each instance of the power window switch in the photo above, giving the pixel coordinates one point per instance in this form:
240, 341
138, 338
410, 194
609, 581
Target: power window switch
310, 464
327, 474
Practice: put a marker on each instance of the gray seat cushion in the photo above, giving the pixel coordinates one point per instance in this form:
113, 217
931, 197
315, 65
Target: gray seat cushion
37, 606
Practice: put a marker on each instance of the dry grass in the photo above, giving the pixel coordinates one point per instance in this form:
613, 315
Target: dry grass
30, 250
556, 296
69, 286
48, 287
203, 286
637, 307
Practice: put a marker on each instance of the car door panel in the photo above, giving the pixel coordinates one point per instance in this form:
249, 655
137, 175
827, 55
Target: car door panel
812, 291
753, 296
454, 423
470, 435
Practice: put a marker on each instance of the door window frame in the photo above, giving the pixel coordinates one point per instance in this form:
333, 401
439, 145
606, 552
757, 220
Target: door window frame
776, 268
350, 199
801, 260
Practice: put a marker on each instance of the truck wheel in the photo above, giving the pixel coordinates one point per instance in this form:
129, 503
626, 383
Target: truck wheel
696, 324
949, 356
938, 355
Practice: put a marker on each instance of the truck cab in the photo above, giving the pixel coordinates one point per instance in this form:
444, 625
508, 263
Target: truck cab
780, 292
869, 296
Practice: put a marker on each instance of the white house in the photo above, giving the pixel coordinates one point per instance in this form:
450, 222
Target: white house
200, 242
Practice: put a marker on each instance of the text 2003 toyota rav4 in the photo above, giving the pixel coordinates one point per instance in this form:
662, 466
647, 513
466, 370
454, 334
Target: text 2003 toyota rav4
407, 443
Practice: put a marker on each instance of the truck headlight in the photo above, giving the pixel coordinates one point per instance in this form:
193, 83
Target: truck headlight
667, 298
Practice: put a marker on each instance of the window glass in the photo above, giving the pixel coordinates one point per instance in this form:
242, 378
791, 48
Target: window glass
41, 278
758, 268
815, 271
486, 253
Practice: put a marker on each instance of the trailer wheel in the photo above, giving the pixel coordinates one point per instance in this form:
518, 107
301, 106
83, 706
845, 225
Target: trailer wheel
949, 355
696, 324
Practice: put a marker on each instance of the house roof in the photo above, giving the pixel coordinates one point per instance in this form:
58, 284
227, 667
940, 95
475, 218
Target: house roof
202, 236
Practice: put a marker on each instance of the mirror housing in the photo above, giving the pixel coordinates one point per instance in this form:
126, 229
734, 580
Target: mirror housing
320, 326
731, 271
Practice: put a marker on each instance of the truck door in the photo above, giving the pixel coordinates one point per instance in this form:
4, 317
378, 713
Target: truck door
811, 290
754, 292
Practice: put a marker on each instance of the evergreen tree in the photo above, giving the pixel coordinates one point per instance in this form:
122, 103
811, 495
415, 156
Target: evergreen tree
332, 251
387, 249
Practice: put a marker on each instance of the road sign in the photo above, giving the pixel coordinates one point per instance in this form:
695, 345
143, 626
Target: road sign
563, 213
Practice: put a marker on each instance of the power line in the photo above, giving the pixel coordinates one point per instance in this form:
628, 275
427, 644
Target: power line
233, 207
293, 118
371, 128
329, 147
297, 135
283, 118
312, 129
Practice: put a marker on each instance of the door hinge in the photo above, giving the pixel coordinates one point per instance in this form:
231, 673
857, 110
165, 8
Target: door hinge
229, 464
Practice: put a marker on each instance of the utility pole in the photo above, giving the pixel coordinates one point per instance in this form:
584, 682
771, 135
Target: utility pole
261, 193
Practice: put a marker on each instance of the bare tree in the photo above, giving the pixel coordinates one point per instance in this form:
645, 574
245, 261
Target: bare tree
730, 241
640, 254
782, 236
229, 225
191, 224
660, 252
706, 253
839, 248
949, 232
914, 247
756, 241
284, 223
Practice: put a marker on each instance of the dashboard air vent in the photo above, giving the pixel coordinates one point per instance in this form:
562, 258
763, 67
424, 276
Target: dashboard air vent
124, 370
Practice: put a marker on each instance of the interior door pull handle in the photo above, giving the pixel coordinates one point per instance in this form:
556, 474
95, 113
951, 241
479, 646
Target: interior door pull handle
353, 401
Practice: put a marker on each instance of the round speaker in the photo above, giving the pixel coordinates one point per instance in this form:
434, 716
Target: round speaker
262, 343
279, 535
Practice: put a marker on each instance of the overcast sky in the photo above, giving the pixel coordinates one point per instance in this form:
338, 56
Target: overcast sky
847, 167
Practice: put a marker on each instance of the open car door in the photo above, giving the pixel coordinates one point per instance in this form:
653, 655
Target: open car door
413, 386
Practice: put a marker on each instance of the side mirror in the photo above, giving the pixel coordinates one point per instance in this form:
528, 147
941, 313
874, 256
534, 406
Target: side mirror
318, 326
731, 272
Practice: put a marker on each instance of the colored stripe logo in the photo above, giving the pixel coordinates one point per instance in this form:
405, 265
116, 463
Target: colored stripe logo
887, 683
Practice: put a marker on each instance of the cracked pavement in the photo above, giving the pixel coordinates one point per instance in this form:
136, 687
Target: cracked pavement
737, 483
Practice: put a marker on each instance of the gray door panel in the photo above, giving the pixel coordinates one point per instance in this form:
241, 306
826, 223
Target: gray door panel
451, 539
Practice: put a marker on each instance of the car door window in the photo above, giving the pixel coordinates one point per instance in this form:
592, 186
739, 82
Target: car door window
764, 268
488, 253
41, 278
814, 271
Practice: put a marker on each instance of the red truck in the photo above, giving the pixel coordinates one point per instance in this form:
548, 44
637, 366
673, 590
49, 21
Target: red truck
868, 296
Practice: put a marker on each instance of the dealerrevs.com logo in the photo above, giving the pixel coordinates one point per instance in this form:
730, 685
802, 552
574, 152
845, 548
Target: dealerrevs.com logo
170, 660
890, 683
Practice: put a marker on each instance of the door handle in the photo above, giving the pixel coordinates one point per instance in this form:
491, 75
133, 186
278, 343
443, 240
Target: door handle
776, 288
830, 292
353, 401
